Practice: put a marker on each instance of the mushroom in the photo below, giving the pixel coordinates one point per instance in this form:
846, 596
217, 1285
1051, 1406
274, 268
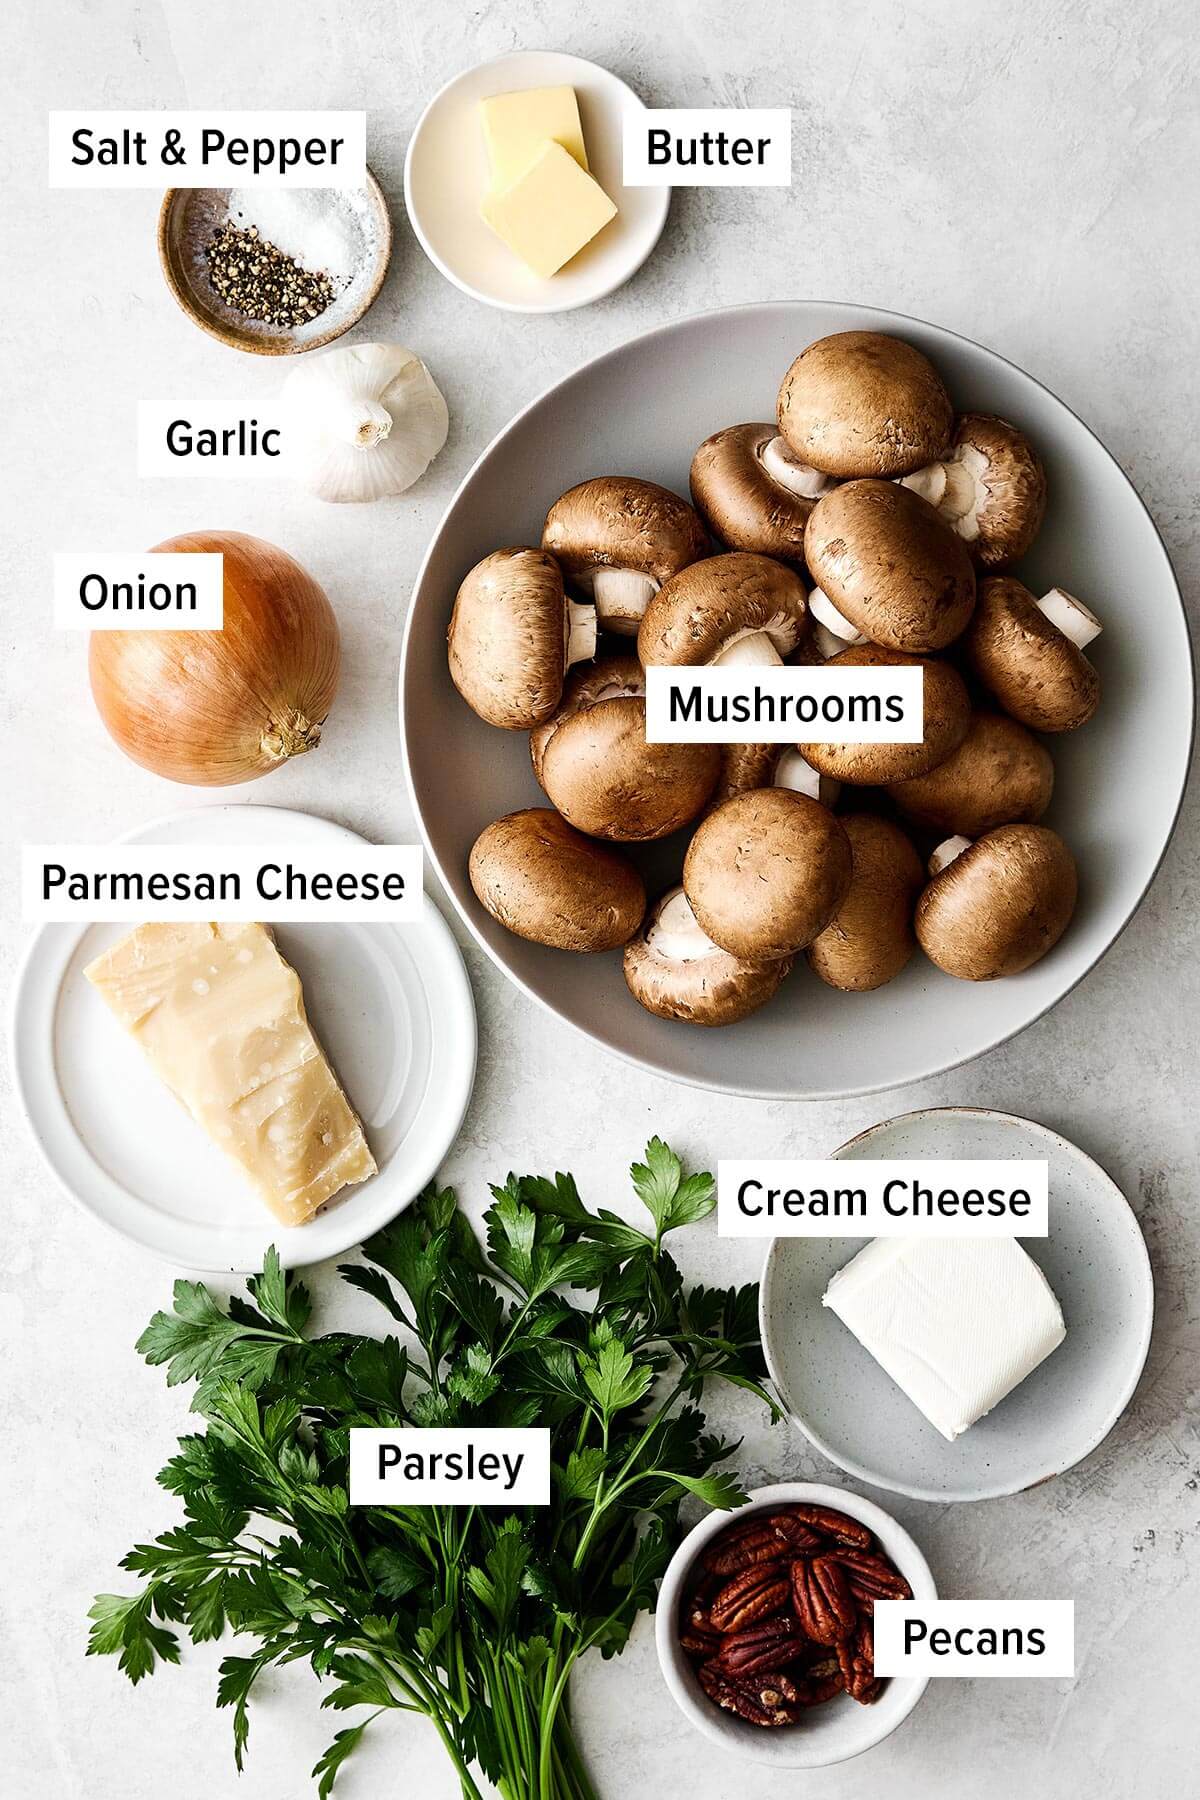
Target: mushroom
738, 608
999, 775
889, 567
1029, 654
947, 709
863, 403
594, 763
765, 872
752, 493
870, 937
513, 636
995, 906
675, 971
619, 539
748, 766
990, 487
545, 881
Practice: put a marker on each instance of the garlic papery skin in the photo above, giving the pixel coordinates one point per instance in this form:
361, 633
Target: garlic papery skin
362, 422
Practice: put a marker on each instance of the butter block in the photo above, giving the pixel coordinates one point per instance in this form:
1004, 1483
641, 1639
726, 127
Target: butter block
956, 1322
220, 1016
550, 212
515, 126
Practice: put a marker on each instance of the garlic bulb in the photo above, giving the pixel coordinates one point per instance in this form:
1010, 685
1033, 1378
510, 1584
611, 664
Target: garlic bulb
363, 422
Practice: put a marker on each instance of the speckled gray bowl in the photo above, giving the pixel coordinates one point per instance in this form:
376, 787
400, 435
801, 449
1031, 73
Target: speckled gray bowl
828, 1734
1095, 1260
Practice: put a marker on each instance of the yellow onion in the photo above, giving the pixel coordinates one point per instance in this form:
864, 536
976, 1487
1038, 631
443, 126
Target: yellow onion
215, 707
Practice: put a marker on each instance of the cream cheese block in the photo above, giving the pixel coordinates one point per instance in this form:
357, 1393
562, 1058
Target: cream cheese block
515, 126
550, 212
956, 1322
220, 1016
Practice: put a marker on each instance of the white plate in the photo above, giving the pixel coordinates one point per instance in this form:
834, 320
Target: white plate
391, 1004
647, 405
1095, 1260
446, 176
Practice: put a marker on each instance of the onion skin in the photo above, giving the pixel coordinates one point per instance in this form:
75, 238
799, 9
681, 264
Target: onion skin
211, 708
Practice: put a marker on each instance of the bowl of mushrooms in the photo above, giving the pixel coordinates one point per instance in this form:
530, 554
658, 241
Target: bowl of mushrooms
851, 916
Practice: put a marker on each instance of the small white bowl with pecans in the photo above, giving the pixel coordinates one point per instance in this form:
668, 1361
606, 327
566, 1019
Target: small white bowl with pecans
764, 1624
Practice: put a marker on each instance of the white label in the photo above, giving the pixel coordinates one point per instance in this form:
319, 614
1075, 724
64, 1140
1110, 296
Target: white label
207, 149
65, 883
204, 439
975, 1637
747, 704
139, 590
708, 146
882, 1198
460, 1466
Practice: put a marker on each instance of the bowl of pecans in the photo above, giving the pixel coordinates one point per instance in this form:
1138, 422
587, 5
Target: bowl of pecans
765, 1618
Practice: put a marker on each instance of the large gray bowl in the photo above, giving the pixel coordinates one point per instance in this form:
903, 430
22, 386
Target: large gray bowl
642, 410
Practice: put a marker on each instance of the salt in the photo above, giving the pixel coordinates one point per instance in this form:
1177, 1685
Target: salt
313, 226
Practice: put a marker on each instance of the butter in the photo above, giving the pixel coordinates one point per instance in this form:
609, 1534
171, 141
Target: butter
515, 126
550, 212
220, 1016
956, 1322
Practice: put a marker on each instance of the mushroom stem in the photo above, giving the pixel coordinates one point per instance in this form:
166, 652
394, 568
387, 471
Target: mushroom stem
826, 642
622, 596
826, 613
753, 647
579, 633
789, 472
675, 933
794, 772
946, 851
1070, 616
950, 486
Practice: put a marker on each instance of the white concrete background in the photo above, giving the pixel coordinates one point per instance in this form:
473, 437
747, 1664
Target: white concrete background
1024, 174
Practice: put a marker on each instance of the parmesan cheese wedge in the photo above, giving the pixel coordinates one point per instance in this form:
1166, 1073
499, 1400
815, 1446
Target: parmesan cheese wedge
220, 1016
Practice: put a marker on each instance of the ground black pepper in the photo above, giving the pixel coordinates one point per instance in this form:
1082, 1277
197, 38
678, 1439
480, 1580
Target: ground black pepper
259, 281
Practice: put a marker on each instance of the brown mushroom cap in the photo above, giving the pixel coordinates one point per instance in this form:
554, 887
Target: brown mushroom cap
999, 775
890, 565
509, 636
765, 872
1000, 905
621, 522
864, 403
994, 493
1032, 668
743, 767
593, 760
545, 881
709, 987
947, 719
870, 937
699, 611
740, 502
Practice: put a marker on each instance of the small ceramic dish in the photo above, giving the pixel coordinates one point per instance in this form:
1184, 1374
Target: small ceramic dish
446, 176
1095, 1260
187, 220
831, 1733
390, 1003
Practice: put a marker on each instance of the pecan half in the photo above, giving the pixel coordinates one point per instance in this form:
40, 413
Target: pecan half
746, 1698
833, 1524
700, 1645
768, 1647
756, 1594
742, 1547
856, 1660
821, 1600
814, 1690
794, 1532
872, 1577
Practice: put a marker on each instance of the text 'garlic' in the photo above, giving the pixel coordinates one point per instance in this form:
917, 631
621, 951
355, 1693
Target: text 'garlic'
364, 422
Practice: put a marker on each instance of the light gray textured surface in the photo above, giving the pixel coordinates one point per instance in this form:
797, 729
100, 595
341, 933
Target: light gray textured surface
1023, 175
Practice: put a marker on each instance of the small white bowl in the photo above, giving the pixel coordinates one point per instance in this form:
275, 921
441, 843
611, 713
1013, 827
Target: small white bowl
446, 176
828, 1734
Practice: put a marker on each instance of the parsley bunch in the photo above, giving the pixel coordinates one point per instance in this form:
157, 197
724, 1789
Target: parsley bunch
468, 1615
